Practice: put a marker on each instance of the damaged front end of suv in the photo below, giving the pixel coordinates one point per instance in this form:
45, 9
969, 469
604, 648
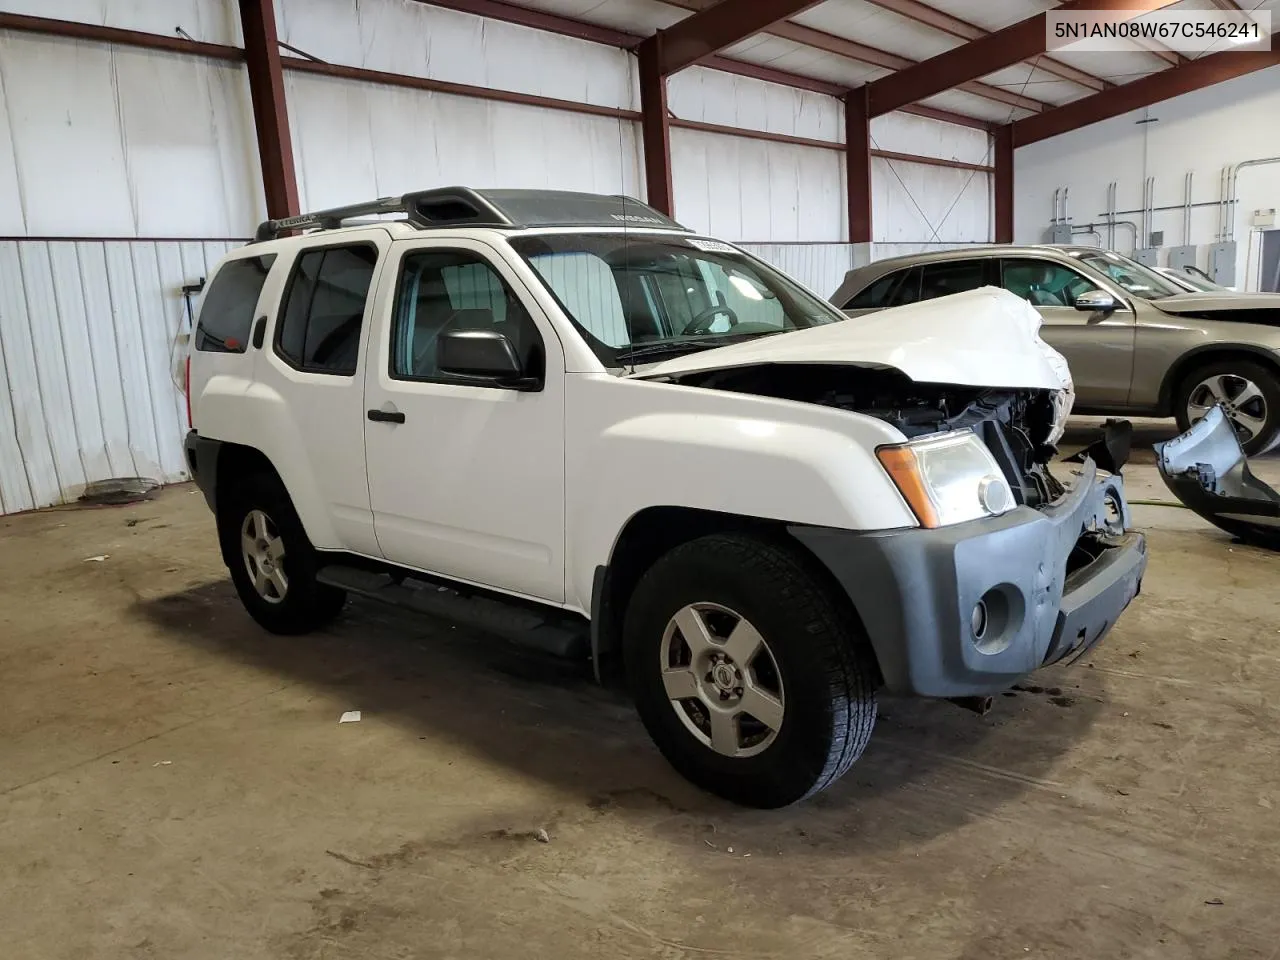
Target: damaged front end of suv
1010, 567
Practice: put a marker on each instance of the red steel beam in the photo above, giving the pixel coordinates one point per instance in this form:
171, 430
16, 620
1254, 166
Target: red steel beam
1193, 75
857, 164
127, 38
1002, 184
946, 116
270, 113
655, 128
718, 26
730, 131
1024, 40
943, 22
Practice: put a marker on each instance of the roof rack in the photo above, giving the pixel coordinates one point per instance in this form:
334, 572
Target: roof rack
465, 207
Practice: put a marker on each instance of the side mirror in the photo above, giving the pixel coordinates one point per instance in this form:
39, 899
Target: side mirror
486, 357
1095, 301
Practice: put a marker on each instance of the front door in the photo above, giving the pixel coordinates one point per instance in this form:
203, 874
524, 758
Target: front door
465, 481
1098, 346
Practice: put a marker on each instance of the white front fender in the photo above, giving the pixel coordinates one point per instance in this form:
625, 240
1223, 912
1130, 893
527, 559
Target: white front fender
632, 445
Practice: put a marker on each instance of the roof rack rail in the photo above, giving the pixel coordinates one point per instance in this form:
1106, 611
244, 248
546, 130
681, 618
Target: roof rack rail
449, 206
465, 207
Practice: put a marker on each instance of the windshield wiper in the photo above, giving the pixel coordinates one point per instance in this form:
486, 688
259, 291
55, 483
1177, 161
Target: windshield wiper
676, 348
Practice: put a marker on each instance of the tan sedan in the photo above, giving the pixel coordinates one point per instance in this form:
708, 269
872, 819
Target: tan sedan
1137, 343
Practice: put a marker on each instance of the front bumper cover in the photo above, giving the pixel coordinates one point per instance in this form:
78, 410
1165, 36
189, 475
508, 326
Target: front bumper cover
916, 590
1207, 470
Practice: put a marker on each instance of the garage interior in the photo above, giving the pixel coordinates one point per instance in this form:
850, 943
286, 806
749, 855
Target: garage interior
175, 782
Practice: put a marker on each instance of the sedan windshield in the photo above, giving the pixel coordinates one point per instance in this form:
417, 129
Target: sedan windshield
1134, 277
648, 297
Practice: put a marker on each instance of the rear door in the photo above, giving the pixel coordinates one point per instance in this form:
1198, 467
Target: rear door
310, 367
945, 277
1098, 346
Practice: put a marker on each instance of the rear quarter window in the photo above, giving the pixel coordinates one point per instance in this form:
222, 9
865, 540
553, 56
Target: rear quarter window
229, 304
876, 295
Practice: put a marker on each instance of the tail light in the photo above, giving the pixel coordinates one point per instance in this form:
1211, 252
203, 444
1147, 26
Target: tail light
187, 391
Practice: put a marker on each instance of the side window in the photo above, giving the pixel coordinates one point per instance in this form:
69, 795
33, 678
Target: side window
227, 311
952, 276
876, 295
441, 290
319, 326
1043, 283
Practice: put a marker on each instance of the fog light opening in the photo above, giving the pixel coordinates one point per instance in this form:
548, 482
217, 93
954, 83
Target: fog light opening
978, 620
996, 619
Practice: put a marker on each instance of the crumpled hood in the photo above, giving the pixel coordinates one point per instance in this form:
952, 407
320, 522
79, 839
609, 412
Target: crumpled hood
1206, 302
981, 338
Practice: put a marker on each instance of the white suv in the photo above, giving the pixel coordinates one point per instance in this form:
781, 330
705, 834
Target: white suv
611, 437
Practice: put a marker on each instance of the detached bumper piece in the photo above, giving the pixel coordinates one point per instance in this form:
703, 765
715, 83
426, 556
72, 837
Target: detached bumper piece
1207, 470
969, 610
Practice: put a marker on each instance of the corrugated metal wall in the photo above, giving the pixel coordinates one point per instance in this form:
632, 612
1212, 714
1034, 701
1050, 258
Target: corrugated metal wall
819, 266
110, 142
89, 369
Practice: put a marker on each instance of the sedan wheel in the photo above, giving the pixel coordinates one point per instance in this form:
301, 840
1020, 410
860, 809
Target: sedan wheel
1241, 399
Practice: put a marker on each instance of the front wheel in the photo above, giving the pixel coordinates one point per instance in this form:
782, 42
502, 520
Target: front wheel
1248, 393
752, 680
273, 565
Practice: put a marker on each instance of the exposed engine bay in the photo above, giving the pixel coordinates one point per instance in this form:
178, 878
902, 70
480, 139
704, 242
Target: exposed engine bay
1014, 424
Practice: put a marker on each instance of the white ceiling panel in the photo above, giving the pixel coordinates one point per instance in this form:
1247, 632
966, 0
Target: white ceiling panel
958, 101
807, 61
1038, 84
641, 17
877, 27
1116, 67
992, 14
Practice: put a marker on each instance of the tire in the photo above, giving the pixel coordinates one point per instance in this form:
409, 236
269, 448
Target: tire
814, 668
1232, 377
302, 604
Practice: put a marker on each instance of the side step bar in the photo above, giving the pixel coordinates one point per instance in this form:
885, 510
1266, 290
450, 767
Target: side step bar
560, 636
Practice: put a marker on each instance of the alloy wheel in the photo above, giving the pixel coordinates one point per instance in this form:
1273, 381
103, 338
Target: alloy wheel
1241, 400
262, 548
722, 680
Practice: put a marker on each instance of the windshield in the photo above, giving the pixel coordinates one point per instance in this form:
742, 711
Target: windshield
1134, 277
641, 295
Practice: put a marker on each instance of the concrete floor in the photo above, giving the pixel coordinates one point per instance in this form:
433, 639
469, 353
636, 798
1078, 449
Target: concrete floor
175, 784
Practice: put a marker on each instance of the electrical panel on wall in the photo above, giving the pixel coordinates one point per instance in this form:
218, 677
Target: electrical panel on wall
1264, 219
1058, 233
1182, 257
1222, 263
1150, 256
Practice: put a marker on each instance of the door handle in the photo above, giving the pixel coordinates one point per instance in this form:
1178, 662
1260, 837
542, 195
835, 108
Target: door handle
259, 331
386, 416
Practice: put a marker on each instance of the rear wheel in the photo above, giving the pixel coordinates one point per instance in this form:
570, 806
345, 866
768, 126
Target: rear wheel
747, 673
273, 565
1248, 393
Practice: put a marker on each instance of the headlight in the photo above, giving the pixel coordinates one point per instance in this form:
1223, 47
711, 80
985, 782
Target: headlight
948, 478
